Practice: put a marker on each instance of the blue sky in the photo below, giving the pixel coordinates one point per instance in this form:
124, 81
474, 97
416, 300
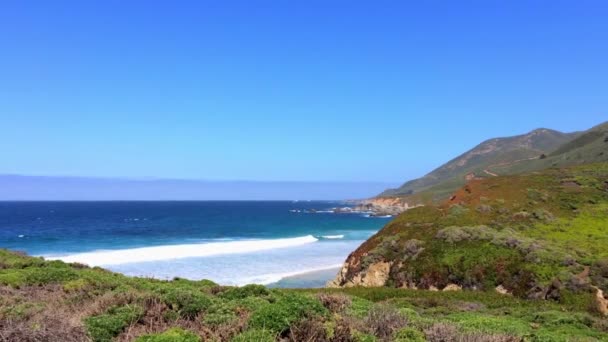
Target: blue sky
285, 90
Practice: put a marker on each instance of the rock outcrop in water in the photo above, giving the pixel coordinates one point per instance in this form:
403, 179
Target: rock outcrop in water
382, 206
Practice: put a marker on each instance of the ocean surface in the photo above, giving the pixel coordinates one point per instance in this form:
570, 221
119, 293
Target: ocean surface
229, 242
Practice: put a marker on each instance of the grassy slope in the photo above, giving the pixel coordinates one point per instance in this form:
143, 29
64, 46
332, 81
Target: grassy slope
53, 301
450, 176
529, 233
589, 147
514, 155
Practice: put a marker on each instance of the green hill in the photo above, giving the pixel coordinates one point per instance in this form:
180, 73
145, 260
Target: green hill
537, 235
450, 176
590, 146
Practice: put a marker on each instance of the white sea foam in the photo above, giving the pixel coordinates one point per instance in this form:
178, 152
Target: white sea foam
341, 236
158, 253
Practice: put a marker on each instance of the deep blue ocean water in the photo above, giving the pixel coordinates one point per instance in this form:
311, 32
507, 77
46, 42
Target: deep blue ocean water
230, 242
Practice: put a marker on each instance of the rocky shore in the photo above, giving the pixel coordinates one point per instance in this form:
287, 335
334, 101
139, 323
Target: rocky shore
382, 206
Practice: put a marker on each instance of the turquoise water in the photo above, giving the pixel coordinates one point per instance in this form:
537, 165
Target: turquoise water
230, 242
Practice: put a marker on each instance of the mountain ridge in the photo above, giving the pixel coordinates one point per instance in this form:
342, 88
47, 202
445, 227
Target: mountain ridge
537, 149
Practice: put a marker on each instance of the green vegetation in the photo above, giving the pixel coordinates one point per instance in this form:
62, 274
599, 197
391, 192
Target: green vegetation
171, 335
104, 327
255, 335
498, 151
539, 236
91, 304
537, 150
287, 309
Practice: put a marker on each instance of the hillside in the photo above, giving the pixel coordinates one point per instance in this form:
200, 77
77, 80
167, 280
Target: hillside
590, 146
474, 162
538, 235
56, 302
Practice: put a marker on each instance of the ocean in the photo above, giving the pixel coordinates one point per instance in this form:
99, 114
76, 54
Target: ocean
229, 242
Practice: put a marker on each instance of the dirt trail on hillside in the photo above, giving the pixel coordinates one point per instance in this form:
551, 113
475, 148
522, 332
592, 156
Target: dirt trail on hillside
505, 164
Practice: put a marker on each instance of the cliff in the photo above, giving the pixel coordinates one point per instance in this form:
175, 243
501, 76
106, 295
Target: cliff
533, 236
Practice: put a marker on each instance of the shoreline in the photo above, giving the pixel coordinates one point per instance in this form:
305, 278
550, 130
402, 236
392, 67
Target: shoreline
307, 279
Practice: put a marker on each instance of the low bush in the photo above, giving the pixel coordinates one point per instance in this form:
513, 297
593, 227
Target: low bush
16, 260
359, 307
309, 329
441, 332
36, 276
251, 290
288, 308
171, 335
363, 337
255, 335
334, 302
188, 301
383, 321
409, 335
220, 313
103, 328
456, 234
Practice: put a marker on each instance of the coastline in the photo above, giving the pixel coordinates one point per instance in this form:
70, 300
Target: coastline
307, 279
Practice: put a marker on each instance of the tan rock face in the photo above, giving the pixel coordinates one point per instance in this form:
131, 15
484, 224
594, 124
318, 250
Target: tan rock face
375, 275
386, 205
340, 277
452, 287
501, 289
601, 302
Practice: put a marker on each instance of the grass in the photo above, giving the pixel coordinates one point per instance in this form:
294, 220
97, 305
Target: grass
104, 306
171, 335
527, 233
104, 327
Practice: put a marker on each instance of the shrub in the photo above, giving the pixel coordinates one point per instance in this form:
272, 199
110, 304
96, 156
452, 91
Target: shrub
251, 290
409, 335
484, 208
37, 275
383, 321
341, 331
543, 215
456, 234
46, 275
359, 307
457, 210
289, 308
17, 260
441, 332
219, 313
334, 302
102, 328
363, 337
308, 330
21, 311
171, 335
250, 303
75, 285
413, 247
255, 335
12, 278
189, 302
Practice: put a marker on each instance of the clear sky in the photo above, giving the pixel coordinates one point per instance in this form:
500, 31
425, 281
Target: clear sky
288, 90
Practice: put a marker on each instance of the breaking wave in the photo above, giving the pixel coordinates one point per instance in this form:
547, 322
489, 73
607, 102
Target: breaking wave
158, 253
